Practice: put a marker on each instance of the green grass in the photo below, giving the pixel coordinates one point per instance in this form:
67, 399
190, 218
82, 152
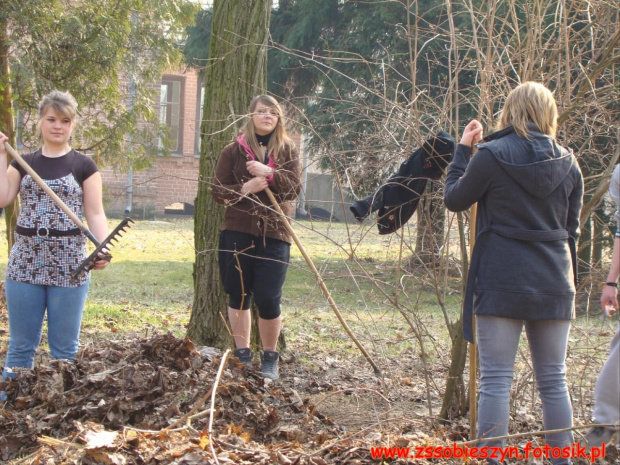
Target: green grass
149, 284
149, 287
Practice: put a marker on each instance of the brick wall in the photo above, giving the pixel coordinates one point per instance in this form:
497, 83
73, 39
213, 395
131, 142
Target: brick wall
172, 179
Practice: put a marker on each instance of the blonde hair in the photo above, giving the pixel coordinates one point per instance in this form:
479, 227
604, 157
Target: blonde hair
530, 102
61, 102
279, 138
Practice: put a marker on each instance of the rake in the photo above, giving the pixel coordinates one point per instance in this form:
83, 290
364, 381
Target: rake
320, 281
100, 247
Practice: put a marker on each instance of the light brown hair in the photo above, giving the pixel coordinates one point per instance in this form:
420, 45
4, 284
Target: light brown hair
61, 102
279, 140
530, 102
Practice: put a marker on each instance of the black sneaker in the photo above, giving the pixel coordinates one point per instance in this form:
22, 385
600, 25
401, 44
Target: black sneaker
245, 356
269, 364
597, 435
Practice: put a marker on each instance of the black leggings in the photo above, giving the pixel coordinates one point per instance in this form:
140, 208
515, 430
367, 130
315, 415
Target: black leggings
263, 270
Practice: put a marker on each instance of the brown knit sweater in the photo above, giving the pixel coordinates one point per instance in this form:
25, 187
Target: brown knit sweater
252, 213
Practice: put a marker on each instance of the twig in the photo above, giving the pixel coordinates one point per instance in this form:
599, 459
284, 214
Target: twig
243, 294
188, 416
49, 441
235, 447
193, 409
152, 431
473, 347
213, 392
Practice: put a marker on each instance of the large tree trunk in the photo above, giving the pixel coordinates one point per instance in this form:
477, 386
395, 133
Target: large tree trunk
431, 217
236, 72
7, 123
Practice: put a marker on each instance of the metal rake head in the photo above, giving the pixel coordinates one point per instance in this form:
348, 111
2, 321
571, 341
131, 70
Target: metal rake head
106, 244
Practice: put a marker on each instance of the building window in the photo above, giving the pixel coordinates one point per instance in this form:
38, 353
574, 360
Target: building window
170, 112
200, 105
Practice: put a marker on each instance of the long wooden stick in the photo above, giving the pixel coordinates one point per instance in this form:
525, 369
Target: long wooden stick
319, 279
473, 347
57, 200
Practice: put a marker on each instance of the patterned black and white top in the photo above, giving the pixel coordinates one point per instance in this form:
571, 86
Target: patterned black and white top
50, 260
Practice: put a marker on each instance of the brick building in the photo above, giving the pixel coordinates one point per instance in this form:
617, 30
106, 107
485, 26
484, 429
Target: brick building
171, 181
171, 184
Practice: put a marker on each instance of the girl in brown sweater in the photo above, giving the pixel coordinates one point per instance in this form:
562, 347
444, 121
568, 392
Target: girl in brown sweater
254, 247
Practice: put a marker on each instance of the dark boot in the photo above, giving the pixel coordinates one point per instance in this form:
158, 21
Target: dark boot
269, 364
245, 356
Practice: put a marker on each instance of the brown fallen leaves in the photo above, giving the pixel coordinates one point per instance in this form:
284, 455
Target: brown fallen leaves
115, 404
148, 401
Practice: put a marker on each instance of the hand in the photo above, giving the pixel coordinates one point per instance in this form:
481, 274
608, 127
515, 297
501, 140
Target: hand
472, 134
102, 261
3, 139
256, 168
609, 300
254, 185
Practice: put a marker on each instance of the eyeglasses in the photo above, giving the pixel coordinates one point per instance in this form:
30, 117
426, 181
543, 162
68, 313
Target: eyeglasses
266, 112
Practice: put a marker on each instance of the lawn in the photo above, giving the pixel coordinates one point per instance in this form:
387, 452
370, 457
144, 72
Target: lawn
149, 287
149, 284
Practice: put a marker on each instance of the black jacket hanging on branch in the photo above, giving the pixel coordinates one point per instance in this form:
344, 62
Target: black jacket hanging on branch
398, 198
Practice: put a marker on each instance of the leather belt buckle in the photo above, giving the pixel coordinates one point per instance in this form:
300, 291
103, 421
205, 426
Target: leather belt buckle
43, 232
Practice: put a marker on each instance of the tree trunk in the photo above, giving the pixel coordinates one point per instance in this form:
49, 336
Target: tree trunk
7, 123
455, 398
431, 217
236, 73
598, 238
454, 403
584, 254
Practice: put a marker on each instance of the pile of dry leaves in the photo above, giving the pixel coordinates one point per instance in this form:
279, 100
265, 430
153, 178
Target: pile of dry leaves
148, 401
161, 400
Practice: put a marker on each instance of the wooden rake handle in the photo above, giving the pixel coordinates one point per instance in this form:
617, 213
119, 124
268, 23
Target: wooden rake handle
473, 348
57, 200
319, 279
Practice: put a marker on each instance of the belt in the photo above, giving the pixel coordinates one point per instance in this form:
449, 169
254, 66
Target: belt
46, 232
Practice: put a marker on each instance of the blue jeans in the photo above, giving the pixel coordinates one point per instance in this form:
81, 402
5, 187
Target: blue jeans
26, 306
498, 340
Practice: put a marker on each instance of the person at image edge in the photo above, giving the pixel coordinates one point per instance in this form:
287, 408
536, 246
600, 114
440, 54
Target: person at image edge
48, 246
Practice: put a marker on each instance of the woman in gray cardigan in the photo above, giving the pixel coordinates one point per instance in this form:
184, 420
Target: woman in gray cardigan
529, 192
